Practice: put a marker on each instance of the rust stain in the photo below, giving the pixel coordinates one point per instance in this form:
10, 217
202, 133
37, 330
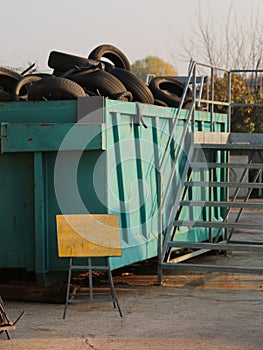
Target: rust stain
229, 282
246, 282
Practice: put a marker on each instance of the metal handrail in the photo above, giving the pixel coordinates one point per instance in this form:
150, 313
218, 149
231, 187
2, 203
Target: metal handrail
192, 71
165, 155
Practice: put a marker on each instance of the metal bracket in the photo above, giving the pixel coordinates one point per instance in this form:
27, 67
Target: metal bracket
139, 117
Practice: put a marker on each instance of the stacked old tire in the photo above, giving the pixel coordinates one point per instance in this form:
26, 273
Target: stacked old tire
105, 72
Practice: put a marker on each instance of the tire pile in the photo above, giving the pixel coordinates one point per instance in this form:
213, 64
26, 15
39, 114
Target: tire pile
105, 72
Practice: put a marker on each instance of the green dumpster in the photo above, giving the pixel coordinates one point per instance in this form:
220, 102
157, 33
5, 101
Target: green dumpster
93, 155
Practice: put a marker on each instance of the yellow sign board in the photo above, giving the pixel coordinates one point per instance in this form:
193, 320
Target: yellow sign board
82, 235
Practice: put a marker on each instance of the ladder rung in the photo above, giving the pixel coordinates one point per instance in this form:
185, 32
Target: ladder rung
92, 267
222, 204
217, 224
223, 184
94, 300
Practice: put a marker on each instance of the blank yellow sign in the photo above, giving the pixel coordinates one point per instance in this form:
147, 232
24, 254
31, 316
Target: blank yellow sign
82, 235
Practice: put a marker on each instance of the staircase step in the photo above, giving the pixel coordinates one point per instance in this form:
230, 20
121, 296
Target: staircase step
217, 246
222, 204
223, 184
218, 224
229, 146
228, 141
200, 165
204, 267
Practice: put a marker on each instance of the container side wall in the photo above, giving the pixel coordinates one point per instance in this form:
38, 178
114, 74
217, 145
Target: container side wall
133, 159
17, 248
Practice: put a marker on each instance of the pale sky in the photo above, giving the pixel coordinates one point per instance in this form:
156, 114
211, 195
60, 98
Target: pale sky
30, 29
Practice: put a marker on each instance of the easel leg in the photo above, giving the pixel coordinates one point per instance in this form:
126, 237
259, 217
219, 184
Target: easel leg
113, 293
90, 279
7, 334
68, 288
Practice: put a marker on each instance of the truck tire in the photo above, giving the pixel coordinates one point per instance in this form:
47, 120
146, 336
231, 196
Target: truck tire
112, 53
55, 89
139, 90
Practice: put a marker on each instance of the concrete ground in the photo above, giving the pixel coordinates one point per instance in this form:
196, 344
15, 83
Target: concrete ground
193, 311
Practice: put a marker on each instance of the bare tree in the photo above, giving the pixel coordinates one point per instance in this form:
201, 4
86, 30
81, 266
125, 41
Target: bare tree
232, 42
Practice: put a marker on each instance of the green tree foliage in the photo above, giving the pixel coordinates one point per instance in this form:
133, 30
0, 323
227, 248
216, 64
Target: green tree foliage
245, 118
152, 65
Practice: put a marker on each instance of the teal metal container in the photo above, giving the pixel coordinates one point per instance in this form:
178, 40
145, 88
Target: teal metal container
94, 156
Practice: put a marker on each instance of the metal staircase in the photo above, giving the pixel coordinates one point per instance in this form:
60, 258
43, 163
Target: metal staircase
219, 215
220, 218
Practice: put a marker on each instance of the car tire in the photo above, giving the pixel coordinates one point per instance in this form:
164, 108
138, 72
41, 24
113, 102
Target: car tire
112, 53
62, 62
55, 89
100, 82
169, 90
139, 90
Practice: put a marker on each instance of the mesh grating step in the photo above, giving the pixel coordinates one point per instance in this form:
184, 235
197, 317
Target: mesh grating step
223, 184
217, 224
200, 165
222, 204
217, 246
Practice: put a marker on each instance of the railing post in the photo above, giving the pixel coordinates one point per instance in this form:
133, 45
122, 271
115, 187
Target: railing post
194, 99
229, 101
160, 228
211, 106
